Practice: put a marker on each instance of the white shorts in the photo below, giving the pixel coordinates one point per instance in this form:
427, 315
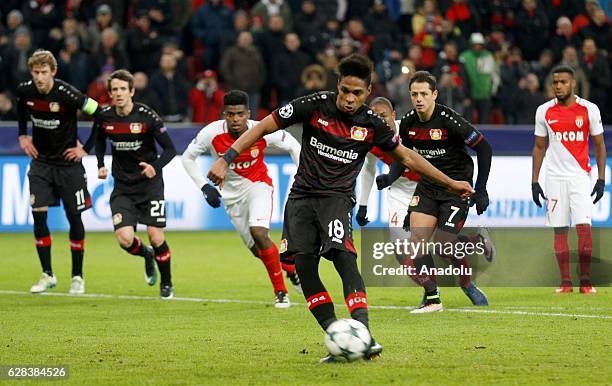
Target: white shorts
568, 198
254, 210
398, 199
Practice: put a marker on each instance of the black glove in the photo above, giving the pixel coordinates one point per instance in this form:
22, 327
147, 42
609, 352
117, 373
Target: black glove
481, 199
536, 192
212, 195
382, 181
362, 215
406, 224
598, 190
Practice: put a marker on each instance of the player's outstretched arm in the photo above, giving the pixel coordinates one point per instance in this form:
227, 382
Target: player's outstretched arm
537, 156
218, 170
413, 161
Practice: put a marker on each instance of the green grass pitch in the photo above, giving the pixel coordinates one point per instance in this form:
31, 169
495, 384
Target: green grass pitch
531, 335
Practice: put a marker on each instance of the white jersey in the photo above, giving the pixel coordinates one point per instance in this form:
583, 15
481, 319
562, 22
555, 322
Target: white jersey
247, 169
568, 129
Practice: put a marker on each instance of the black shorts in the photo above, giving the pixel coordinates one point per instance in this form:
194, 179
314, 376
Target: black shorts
450, 209
141, 202
51, 183
316, 226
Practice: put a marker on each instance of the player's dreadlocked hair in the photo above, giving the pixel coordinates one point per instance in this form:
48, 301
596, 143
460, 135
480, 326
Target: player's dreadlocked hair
564, 68
358, 66
123, 75
235, 97
424, 77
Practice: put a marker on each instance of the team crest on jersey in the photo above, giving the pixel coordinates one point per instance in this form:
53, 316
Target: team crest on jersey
286, 111
32, 199
435, 134
359, 133
283, 246
136, 128
254, 152
414, 201
54, 107
117, 218
579, 121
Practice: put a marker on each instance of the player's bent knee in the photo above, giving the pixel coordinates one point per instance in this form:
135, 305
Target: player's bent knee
125, 236
156, 236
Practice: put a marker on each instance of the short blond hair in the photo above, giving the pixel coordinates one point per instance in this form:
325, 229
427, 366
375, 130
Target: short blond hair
42, 57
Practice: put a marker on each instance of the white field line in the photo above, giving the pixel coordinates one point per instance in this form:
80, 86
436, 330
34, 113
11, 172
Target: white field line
204, 300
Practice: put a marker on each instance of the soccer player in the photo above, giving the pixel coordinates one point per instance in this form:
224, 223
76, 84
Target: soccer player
56, 172
567, 121
400, 192
247, 192
440, 134
338, 132
138, 195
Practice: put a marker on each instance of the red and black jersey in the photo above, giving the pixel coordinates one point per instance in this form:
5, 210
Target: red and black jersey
53, 117
132, 139
442, 141
334, 144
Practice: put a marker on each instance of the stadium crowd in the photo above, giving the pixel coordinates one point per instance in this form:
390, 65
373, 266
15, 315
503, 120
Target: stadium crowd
492, 58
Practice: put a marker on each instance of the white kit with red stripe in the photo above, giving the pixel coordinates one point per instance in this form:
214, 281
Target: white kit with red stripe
568, 129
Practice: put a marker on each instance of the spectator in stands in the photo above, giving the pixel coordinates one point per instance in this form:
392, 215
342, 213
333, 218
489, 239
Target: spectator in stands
564, 36
448, 62
450, 94
356, 32
484, 77
210, 23
450, 33
103, 20
599, 29
542, 67
399, 90
171, 47
596, 67
172, 88
570, 58
512, 70
75, 66
271, 43
16, 58
528, 99
160, 14
287, 69
268, 8
42, 16
378, 23
229, 38
308, 24
328, 9
390, 66
243, 68
14, 20
314, 79
98, 90
464, 15
143, 43
428, 8
206, 99
531, 29
144, 94
110, 52
7, 109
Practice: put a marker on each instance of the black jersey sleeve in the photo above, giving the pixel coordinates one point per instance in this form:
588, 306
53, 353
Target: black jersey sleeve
72, 96
163, 139
100, 142
384, 137
298, 110
460, 127
22, 111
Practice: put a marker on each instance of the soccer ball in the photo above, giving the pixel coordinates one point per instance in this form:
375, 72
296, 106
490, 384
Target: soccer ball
348, 339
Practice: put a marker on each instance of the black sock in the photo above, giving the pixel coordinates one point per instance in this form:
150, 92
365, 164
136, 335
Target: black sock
77, 243
352, 285
317, 298
43, 241
137, 248
162, 256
